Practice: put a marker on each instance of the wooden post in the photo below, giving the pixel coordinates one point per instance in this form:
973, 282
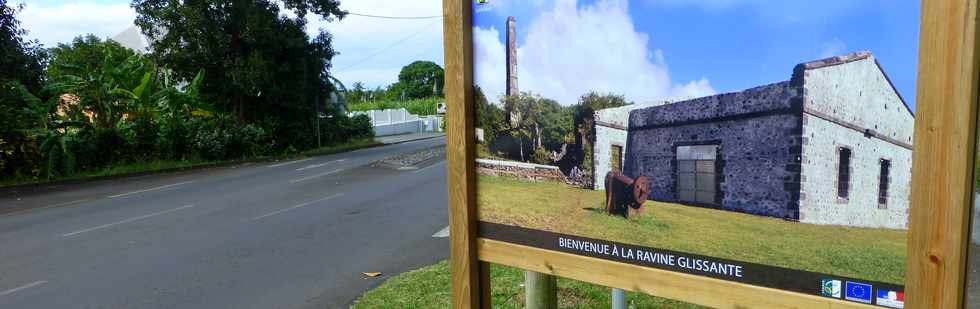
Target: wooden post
540, 291
470, 277
942, 163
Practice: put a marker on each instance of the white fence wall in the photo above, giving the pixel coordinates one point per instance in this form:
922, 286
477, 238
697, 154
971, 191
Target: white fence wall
400, 121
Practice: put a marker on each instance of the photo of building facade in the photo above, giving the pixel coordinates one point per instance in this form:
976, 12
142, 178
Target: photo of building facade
832, 146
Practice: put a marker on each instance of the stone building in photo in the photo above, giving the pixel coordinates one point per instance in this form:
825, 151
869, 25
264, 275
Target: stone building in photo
610, 132
833, 145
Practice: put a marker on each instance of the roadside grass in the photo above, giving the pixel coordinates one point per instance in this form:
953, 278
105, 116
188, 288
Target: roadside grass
121, 169
421, 107
158, 166
863, 253
429, 287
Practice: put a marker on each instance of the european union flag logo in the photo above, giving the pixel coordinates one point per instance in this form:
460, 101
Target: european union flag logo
859, 292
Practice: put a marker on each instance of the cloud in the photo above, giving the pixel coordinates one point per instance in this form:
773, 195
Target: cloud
393, 43
692, 89
571, 50
60, 23
488, 64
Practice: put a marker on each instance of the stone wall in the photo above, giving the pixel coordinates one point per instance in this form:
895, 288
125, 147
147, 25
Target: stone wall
610, 129
605, 138
851, 104
758, 133
521, 170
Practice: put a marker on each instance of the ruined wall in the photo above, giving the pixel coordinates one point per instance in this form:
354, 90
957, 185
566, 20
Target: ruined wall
759, 134
853, 105
605, 137
610, 129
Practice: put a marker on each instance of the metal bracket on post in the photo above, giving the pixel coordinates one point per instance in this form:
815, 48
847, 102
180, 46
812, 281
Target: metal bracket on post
540, 291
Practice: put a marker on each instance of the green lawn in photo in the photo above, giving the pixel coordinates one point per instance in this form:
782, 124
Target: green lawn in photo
863, 253
429, 287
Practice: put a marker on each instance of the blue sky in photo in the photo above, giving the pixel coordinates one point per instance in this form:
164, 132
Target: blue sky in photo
739, 44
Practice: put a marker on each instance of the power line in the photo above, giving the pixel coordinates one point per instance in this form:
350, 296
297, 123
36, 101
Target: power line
388, 47
395, 17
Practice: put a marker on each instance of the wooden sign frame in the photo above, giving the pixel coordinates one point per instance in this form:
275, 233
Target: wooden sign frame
942, 185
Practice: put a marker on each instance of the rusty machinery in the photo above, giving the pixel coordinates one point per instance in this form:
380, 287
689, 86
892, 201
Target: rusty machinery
625, 195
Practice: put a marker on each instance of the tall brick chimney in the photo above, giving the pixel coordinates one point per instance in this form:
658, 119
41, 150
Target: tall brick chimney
511, 57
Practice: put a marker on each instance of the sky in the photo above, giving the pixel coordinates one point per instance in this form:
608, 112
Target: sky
653, 49
372, 50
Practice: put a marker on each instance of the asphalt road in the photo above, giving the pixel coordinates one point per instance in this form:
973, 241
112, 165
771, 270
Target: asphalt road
291, 234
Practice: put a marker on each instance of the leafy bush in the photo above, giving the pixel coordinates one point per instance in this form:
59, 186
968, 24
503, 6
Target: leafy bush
421, 107
20, 156
145, 136
222, 139
361, 127
542, 156
175, 138
252, 141
100, 147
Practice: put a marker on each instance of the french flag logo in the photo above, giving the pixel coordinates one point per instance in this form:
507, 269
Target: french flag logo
890, 298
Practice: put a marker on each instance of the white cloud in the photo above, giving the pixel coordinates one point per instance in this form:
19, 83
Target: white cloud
692, 89
571, 50
60, 23
357, 37
488, 64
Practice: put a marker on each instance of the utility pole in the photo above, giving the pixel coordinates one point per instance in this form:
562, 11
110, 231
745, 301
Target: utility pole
316, 108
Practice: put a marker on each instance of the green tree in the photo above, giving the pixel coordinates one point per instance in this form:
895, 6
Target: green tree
555, 124
84, 54
259, 62
584, 123
100, 76
357, 93
421, 79
21, 60
21, 76
489, 117
539, 125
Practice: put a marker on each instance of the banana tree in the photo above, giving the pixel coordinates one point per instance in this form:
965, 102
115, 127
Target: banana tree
54, 134
106, 92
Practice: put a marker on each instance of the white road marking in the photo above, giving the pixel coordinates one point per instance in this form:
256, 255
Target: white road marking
311, 166
24, 287
152, 189
290, 162
443, 233
297, 206
315, 176
67, 203
46, 207
126, 221
319, 165
427, 167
